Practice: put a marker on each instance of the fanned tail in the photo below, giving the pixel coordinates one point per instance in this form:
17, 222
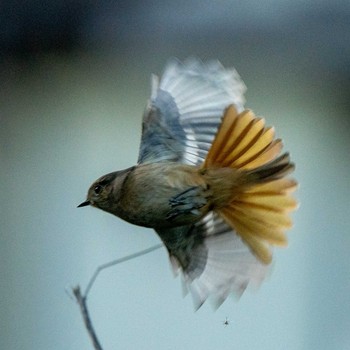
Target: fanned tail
260, 213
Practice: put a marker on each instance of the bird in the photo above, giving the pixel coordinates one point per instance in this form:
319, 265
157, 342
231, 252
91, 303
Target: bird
211, 180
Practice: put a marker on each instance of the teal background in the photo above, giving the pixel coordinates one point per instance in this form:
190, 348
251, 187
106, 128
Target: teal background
74, 80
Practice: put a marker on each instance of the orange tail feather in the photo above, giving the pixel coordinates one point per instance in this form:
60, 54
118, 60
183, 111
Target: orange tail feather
259, 214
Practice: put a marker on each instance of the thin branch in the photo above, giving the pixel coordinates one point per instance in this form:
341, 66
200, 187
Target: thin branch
86, 317
116, 262
81, 299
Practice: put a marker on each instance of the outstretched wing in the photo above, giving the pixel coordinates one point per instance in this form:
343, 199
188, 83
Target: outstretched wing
212, 260
185, 110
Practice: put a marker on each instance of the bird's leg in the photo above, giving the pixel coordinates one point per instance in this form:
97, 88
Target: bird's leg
188, 202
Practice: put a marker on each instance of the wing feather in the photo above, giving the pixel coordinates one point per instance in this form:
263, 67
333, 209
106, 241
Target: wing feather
185, 110
219, 264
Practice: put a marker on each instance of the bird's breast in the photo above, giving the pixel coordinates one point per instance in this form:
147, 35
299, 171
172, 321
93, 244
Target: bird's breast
147, 191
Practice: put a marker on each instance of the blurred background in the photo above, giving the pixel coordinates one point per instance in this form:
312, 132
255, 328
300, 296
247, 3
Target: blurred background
74, 80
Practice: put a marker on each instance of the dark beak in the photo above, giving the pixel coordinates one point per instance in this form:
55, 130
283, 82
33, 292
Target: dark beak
84, 204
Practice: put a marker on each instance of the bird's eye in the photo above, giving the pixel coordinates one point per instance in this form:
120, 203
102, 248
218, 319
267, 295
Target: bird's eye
98, 189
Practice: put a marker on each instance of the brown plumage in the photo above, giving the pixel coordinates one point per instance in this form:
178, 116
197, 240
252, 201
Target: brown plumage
210, 185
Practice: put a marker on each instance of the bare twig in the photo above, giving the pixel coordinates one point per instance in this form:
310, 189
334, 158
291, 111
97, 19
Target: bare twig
86, 317
81, 298
118, 261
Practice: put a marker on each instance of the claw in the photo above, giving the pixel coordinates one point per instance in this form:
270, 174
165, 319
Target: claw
187, 203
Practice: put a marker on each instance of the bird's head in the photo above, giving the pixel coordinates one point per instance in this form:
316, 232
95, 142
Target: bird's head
105, 192
100, 193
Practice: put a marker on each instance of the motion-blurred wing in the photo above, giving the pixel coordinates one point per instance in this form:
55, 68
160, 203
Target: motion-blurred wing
214, 262
230, 266
185, 110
